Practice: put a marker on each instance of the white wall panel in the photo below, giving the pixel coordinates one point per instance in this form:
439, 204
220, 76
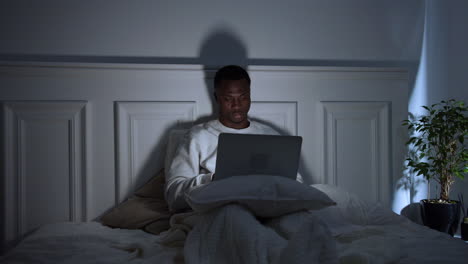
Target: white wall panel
141, 129
45, 168
357, 148
281, 115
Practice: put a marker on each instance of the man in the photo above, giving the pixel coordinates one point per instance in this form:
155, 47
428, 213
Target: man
195, 160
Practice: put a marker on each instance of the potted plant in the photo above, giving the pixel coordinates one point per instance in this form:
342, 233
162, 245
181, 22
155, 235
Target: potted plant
438, 138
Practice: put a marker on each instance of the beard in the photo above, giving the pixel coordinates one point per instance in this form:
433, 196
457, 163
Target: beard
238, 117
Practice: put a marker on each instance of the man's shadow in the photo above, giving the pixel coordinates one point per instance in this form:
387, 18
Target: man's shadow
219, 48
223, 47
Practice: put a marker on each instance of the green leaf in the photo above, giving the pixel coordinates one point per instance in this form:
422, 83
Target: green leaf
440, 140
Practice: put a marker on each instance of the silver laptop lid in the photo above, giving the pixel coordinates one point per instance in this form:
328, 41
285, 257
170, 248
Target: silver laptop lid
245, 154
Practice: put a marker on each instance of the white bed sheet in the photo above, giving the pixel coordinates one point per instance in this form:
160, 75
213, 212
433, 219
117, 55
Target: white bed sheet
91, 243
370, 233
363, 233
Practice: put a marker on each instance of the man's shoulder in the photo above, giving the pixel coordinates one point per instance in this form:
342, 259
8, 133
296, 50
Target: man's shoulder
263, 128
201, 129
195, 135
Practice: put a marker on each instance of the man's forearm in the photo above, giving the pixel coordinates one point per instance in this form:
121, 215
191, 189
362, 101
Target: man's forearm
178, 186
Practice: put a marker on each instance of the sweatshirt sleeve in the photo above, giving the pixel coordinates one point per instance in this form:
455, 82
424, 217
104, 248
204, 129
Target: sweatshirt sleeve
184, 173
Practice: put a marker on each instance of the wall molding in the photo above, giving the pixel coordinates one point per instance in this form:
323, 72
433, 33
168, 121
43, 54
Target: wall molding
130, 121
22, 67
377, 115
18, 116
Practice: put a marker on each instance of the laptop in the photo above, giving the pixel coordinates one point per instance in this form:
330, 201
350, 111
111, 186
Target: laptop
247, 154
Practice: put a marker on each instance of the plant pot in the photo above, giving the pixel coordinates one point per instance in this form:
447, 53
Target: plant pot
464, 230
443, 217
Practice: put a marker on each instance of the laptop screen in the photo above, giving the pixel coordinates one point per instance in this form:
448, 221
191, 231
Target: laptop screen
248, 154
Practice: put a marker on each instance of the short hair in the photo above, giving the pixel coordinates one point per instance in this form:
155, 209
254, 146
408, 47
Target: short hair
230, 72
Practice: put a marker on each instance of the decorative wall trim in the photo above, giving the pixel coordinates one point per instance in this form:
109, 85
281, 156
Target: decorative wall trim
376, 115
131, 119
22, 68
18, 118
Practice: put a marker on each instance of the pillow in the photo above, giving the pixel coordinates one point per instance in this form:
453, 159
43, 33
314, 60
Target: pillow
154, 188
264, 195
349, 206
146, 209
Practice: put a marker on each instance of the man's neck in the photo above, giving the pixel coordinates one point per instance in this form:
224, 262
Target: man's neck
241, 125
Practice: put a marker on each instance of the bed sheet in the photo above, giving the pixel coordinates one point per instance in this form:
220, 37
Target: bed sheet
91, 242
363, 233
371, 233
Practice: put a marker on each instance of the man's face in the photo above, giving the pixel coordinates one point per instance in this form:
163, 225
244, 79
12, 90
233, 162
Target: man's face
233, 97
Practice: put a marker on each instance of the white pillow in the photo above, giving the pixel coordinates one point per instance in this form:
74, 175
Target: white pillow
264, 195
350, 207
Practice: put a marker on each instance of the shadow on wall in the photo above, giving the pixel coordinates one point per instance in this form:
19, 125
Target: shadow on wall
219, 48
223, 47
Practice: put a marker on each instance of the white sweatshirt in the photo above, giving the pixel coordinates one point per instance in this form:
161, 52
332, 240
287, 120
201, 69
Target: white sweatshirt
195, 159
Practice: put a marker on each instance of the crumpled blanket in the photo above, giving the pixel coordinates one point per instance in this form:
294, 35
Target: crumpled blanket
232, 234
90, 242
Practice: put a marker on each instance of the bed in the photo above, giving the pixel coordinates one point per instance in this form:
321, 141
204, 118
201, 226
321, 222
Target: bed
361, 233
86, 144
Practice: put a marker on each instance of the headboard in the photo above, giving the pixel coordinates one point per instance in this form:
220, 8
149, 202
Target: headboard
79, 138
